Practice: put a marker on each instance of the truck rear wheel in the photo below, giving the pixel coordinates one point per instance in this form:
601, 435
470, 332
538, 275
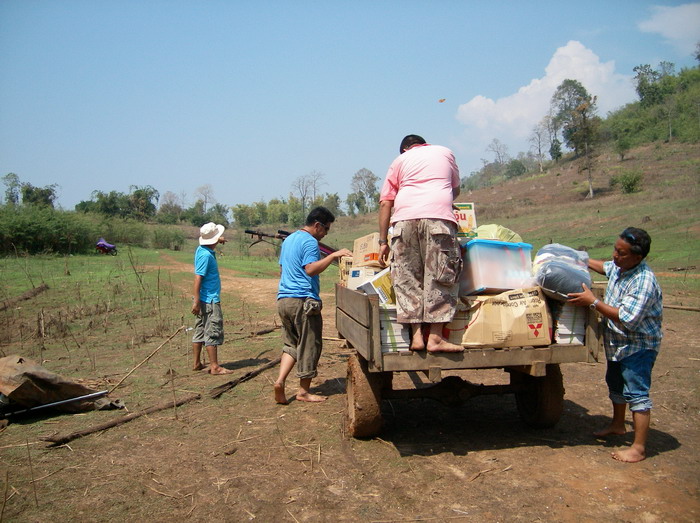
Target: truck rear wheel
364, 398
540, 400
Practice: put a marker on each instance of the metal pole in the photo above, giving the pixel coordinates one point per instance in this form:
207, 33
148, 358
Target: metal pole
55, 403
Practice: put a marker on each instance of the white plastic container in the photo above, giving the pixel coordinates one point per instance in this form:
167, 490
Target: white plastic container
492, 267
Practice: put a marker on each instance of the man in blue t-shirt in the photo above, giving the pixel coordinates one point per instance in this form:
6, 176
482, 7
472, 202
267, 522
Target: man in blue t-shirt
206, 299
299, 302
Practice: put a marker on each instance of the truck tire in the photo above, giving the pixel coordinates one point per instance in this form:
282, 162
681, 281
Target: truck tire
540, 400
364, 398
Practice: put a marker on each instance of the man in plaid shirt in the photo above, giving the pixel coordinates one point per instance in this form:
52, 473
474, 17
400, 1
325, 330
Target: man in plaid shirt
632, 334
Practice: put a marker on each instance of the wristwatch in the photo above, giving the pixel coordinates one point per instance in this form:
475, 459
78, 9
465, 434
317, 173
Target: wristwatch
592, 306
383, 242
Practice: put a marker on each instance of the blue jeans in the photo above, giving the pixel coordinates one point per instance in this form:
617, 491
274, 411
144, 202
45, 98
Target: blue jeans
629, 380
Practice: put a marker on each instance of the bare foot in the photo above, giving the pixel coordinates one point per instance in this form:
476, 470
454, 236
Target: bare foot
200, 366
629, 455
444, 346
610, 431
311, 398
417, 341
280, 396
219, 371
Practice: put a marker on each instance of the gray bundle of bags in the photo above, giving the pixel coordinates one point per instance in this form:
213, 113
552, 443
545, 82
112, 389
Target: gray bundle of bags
560, 270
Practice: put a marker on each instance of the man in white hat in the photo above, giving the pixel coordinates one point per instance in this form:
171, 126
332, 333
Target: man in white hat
206, 299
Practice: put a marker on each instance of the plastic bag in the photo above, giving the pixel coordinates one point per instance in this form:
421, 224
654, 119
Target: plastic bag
497, 232
560, 270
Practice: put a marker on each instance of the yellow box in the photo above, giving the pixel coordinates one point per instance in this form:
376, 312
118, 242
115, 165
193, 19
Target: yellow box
344, 266
466, 220
380, 285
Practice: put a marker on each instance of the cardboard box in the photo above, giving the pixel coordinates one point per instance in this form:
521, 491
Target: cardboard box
466, 221
381, 285
492, 266
365, 251
394, 336
359, 275
517, 318
344, 266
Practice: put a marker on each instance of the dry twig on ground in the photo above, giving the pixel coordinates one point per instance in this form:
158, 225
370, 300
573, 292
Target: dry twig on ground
218, 391
147, 358
25, 296
61, 440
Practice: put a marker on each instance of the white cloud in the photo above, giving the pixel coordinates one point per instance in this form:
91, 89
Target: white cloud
512, 118
679, 25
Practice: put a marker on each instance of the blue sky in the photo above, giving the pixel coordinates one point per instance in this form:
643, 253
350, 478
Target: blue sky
248, 96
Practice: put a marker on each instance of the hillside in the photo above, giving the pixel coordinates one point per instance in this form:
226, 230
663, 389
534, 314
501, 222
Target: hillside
552, 208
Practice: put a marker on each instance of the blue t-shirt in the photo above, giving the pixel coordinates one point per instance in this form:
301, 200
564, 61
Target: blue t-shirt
298, 250
205, 266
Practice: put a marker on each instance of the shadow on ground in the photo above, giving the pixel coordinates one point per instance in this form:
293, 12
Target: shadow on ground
425, 427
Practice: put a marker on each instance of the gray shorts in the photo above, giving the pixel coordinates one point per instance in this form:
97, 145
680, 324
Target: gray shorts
209, 325
302, 331
425, 269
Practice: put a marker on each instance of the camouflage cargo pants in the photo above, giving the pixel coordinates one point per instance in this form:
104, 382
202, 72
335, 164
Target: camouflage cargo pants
425, 269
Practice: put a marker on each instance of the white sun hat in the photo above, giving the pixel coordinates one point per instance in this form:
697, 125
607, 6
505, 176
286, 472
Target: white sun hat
210, 233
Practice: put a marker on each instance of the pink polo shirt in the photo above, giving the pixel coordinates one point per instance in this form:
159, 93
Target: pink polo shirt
420, 183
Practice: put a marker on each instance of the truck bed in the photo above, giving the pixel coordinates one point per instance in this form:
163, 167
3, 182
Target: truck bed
357, 320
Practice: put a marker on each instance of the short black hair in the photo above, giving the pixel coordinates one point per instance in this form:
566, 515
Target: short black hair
409, 141
638, 239
320, 215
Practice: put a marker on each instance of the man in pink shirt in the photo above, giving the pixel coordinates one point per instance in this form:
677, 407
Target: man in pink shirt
420, 186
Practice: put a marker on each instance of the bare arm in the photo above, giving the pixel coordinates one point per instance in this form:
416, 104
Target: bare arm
586, 297
455, 192
596, 265
317, 267
195, 294
385, 207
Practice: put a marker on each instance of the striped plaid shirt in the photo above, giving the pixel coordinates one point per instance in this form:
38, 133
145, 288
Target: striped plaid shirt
637, 295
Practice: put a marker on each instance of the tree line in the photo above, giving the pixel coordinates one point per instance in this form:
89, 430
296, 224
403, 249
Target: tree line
30, 223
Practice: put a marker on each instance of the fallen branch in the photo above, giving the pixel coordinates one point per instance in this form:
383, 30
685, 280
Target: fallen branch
265, 331
257, 333
682, 308
25, 296
52, 473
166, 494
218, 391
61, 440
481, 472
681, 269
147, 358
